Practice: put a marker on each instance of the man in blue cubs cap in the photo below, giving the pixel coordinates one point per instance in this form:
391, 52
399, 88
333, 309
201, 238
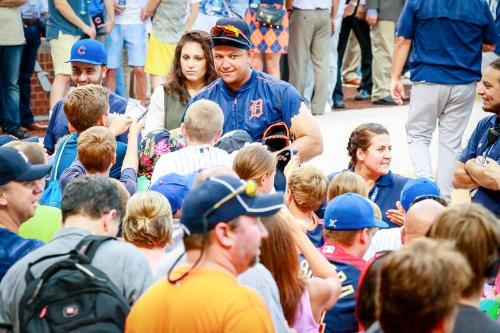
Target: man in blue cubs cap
262, 99
88, 61
20, 187
349, 227
221, 218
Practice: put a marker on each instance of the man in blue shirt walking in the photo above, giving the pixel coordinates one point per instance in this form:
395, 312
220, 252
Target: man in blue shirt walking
253, 100
445, 64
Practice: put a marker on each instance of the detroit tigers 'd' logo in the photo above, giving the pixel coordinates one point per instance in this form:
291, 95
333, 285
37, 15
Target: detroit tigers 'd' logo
256, 109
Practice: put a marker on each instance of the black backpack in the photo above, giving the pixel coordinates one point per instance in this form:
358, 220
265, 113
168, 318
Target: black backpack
72, 295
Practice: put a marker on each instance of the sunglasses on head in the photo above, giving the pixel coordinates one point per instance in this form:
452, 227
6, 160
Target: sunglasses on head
229, 31
432, 197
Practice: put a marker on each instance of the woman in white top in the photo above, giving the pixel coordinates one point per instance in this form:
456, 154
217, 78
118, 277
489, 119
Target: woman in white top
192, 69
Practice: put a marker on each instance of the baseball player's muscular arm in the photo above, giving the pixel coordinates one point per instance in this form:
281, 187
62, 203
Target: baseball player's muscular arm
308, 139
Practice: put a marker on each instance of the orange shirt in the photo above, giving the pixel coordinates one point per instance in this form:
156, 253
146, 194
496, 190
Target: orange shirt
207, 300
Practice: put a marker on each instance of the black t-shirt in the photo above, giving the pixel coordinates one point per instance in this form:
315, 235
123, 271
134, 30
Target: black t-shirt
472, 320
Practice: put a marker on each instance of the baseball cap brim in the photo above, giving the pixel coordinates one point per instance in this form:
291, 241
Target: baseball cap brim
34, 172
258, 206
87, 61
228, 41
380, 224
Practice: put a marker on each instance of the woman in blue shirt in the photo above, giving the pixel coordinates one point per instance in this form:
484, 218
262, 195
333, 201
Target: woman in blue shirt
370, 147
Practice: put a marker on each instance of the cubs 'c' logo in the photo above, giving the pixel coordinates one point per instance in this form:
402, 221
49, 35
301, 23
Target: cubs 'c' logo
81, 50
256, 109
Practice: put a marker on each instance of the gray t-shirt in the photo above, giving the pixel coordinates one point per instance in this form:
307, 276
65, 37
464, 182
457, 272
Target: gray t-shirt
261, 280
124, 264
168, 22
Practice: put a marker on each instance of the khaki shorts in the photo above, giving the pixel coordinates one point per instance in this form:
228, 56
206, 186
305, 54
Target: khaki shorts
60, 50
159, 56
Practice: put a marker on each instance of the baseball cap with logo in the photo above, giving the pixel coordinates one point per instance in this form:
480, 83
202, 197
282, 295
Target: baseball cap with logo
231, 194
14, 166
351, 211
231, 31
416, 188
174, 187
89, 51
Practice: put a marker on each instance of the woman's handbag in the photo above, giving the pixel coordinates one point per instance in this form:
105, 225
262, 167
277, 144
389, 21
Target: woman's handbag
270, 16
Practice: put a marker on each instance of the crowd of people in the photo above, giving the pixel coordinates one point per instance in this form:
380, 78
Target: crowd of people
194, 210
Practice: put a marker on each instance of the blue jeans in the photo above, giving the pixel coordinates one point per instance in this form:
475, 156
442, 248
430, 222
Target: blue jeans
28, 60
10, 59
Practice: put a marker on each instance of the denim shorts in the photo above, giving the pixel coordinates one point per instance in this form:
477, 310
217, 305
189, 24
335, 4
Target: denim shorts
131, 36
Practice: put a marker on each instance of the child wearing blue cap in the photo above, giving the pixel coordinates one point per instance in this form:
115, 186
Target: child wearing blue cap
349, 227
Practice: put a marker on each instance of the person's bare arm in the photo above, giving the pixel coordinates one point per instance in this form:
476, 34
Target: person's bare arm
149, 9
11, 3
193, 15
484, 176
109, 5
131, 159
461, 178
488, 47
308, 140
401, 51
67, 12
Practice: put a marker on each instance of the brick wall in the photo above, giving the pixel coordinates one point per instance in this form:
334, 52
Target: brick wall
40, 100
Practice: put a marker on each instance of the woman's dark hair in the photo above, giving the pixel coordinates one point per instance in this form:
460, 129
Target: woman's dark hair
279, 256
176, 81
361, 139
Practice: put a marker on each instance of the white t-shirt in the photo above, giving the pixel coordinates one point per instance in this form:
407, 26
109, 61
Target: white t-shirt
384, 240
189, 160
132, 13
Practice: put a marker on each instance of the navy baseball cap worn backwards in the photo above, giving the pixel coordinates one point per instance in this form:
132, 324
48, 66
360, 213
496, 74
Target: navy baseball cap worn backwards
416, 188
351, 211
89, 51
231, 31
14, 166
211, 191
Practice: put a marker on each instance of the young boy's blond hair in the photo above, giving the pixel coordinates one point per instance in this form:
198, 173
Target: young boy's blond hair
97, 149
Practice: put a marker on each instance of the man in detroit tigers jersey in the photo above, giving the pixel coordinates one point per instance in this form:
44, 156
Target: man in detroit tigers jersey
349, 227
252, 100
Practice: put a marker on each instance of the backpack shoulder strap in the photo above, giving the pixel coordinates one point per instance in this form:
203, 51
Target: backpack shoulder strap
89, 245
59, 155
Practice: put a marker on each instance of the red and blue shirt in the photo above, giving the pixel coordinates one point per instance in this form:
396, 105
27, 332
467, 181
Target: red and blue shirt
342, 317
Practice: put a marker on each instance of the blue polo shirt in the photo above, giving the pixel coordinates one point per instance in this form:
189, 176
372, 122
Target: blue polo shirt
385, 193
262, 101
478, 146
58, 123
447, 39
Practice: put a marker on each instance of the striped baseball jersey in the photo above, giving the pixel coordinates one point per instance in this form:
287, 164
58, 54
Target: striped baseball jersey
384, 240
191, 159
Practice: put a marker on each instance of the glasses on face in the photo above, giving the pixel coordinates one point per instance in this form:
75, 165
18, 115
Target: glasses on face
229, 31
432, 197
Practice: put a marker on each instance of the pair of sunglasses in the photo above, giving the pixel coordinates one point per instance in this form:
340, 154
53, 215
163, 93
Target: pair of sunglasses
228, 31
432, 197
